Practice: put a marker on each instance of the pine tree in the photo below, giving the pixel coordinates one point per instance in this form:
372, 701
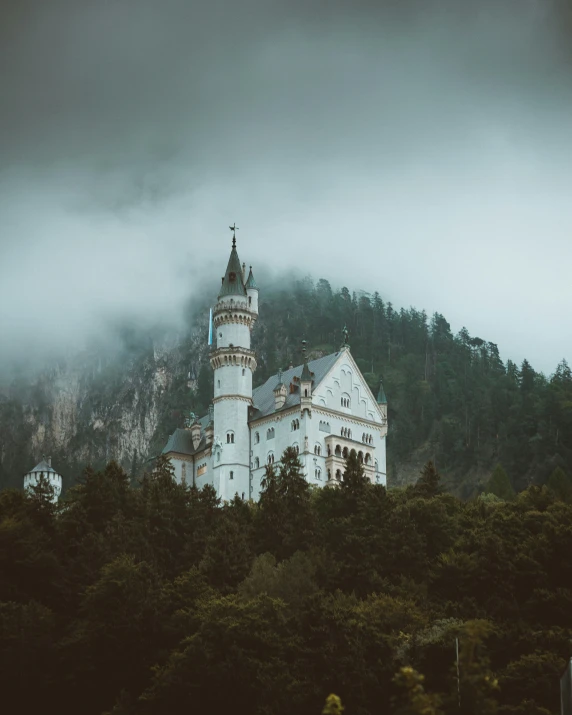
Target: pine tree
560, 484
427, 485
499, 484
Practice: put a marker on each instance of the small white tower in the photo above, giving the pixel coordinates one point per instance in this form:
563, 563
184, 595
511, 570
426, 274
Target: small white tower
233, 363
44, 470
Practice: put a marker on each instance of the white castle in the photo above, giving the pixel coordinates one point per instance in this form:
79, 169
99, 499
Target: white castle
323, 408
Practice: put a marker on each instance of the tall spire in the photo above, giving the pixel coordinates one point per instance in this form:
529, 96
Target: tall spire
232, 282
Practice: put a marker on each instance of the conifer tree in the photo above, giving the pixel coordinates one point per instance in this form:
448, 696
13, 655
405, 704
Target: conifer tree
428, 483
560, 484
499, 484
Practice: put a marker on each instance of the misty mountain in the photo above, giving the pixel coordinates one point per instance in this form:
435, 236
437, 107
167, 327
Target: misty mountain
451, 397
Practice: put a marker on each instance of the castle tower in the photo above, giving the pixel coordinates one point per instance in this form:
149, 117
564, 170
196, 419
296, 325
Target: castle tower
44, 471
233, 363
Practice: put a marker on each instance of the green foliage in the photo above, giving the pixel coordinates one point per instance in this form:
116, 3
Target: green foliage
499, 485
560, 485
159, 599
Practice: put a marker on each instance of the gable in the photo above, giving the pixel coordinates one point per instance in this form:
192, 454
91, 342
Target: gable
345, 390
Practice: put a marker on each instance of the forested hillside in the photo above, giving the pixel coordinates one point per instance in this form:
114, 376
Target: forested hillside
451, 397
156, 599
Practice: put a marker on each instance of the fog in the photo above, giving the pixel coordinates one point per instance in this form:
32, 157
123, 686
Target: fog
421, 149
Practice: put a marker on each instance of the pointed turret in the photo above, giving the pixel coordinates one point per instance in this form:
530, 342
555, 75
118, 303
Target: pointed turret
252, 293
305, 383
280, 392
381, 398
232, 282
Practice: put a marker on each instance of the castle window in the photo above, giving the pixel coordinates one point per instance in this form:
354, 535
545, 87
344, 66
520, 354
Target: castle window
338, 450
243, 496
329, 475
317, 450
296, 448
201, 469
231, 475
295, 425
270, 459
230, 437
270, 433
243, 372
325, 427
318, 473
249, 300
345, 400
256, 437
306, 392
338, 475
345, 453
256, 463
368, 458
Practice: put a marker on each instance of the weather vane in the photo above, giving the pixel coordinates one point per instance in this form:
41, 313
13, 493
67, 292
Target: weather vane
234, 229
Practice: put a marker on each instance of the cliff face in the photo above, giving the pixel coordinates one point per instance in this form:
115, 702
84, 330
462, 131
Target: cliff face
103, 404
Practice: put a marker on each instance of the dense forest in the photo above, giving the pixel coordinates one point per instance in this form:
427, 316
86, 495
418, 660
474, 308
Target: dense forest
153, 598
451, 398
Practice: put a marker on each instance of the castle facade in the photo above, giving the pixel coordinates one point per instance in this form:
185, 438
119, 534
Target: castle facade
322, 408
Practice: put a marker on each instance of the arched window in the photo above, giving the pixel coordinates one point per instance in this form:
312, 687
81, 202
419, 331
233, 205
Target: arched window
338, 450
243, 372
231, 475
345, 453
338, 475
297, 449
345, 400
306, 392
270, 459
256, 437
318, 473
317, 450
368, 458
230, 437
243, 496
329, 475
256, 463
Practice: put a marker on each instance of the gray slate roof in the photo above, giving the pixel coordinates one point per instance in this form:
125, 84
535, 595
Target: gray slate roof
232, 283
43, 466
180, 441
263, 396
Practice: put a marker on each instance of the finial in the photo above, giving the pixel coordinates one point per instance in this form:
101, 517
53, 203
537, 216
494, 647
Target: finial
234, 229
345, 333
304, 343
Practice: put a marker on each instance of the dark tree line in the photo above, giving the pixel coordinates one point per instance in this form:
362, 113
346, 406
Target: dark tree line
156, 598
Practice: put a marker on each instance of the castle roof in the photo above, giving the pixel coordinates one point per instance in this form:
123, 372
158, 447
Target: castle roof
181, 442
44, 467
232, 283
263, 396
250, 282
381, 398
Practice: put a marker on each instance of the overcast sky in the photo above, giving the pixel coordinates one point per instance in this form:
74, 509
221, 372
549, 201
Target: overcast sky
424, 152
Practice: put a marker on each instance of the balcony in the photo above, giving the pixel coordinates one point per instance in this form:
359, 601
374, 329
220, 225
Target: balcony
337, 450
